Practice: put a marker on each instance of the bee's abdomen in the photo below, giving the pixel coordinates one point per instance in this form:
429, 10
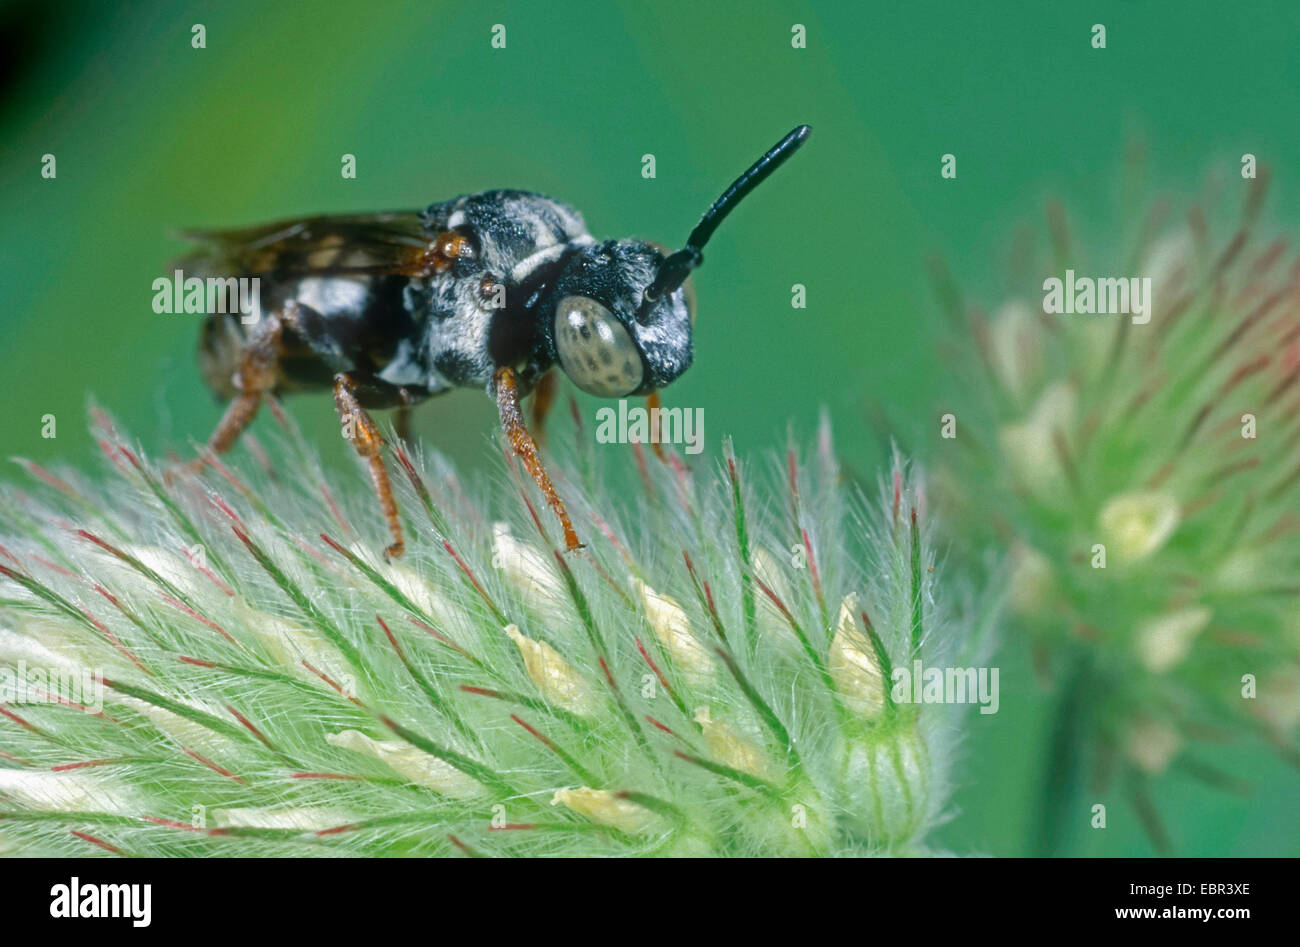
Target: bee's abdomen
357, 324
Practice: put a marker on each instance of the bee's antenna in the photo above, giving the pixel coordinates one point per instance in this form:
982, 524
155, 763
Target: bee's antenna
674, 270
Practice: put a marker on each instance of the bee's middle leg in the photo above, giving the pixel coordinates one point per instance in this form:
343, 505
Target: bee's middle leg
402, 423
363, 434
402, 420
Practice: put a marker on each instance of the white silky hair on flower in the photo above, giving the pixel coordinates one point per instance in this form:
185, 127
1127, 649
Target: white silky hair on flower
709, 676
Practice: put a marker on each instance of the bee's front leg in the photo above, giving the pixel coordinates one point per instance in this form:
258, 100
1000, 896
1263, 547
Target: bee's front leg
505, 383
653, 406
363, 434
543, 401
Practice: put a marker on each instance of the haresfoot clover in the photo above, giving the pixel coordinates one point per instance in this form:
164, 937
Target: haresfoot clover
710, 676
1142, 481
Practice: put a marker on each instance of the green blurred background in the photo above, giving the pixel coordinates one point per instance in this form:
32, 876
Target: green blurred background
151, 135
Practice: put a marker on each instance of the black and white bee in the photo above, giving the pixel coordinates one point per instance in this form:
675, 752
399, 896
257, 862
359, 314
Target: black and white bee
483, 291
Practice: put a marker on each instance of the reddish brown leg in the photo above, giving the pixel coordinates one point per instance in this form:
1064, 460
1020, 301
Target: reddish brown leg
403, 423
543, 399
403, 420
363, 434
652, 408
521, 442
257, 375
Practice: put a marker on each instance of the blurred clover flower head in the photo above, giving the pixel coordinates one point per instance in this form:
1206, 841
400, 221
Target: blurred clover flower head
1145, 482
708, 677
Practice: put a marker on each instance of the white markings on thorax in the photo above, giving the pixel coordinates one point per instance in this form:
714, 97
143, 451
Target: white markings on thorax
331, 294
529, 264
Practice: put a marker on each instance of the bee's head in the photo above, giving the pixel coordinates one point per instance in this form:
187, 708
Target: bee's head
618, 315
607, 336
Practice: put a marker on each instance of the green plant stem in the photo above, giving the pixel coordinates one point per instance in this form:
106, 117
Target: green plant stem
1059, 791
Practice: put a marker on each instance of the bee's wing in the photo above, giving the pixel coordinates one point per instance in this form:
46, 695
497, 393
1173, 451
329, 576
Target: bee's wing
369, 244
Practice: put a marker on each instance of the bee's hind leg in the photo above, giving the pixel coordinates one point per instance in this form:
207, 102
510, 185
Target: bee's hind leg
258, 370
506, 388
363, 434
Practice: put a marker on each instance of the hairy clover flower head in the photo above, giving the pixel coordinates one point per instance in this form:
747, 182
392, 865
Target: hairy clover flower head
1143, 478
709, 676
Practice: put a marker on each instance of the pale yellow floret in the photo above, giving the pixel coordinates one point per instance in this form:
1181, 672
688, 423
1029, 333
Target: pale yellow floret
854, 667
673, 629
605, 807
557, 681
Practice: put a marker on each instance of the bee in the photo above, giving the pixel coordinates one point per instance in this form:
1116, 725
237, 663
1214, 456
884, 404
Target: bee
488, 291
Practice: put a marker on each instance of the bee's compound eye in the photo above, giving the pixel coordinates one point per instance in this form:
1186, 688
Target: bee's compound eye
595, 350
